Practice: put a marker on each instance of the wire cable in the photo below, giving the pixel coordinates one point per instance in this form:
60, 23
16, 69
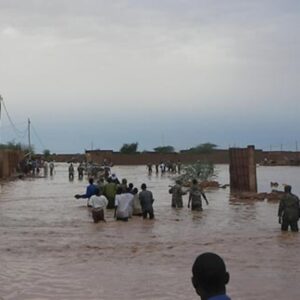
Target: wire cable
17, 131
37, 136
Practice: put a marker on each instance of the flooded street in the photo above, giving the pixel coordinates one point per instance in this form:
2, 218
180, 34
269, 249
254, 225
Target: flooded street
51, 249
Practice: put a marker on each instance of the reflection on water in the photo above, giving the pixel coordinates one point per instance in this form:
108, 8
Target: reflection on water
50, 249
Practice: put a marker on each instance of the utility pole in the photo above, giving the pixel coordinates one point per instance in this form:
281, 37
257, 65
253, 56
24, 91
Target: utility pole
29, 141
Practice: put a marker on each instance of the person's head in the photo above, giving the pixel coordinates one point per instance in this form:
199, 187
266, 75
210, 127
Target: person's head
97, 191
130, 186
135, 191
195, 181
143, 186
178, 181
91, 180
124, 181
209, 275
287, 189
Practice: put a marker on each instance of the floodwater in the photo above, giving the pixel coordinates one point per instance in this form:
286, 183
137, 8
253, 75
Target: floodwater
51, 249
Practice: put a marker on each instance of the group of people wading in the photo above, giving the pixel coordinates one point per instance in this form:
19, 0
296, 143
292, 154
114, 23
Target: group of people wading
125, 199
195, 195
165, 166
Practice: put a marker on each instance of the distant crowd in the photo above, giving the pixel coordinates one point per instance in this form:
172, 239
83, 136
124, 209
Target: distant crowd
165, 166
34, 167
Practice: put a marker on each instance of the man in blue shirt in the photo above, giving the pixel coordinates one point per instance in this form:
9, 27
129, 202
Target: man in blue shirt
91, 190
210, 277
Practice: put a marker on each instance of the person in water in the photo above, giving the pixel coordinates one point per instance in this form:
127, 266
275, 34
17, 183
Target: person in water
98, 203
195, 196
123, 205
51, 166
91, 190
137, 209
71, 171
289, 210
177, 194
146, 200
109, 191
210, 277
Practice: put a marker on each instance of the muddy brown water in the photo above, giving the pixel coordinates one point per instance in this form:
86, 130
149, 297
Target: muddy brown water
50, 248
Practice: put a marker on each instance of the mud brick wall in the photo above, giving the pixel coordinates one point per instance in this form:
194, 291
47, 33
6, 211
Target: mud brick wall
143, 158
9, 161
242, 169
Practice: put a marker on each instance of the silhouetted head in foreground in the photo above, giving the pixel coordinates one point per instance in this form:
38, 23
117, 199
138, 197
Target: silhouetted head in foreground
210, 276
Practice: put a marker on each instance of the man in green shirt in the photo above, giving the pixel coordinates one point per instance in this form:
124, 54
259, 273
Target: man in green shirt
289, 210
109, 191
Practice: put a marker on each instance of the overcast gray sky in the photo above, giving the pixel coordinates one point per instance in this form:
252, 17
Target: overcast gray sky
160, 72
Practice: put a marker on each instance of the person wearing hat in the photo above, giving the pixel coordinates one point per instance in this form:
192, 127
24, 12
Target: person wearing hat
210, 277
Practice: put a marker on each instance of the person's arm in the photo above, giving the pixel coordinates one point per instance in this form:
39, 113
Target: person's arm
83, 196
204, 196
152, 199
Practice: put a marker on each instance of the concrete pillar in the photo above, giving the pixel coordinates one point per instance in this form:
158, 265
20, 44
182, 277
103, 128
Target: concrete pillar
243, 169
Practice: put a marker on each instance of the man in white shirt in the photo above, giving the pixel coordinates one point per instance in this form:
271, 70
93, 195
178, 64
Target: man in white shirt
98, 203
123, 205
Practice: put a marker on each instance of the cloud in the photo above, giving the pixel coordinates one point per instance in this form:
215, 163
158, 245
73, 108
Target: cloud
10, 32
214, 59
